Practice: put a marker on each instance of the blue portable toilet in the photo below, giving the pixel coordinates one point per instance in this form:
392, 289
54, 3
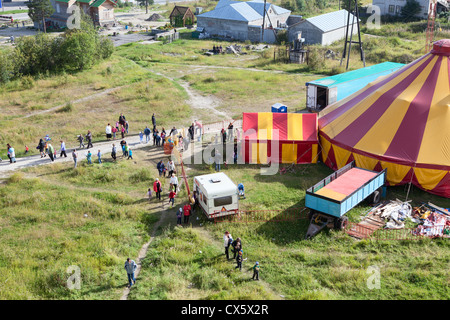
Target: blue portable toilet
279, 108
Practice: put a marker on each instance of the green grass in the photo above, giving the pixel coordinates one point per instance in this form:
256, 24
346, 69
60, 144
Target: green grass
189, 262
44, 231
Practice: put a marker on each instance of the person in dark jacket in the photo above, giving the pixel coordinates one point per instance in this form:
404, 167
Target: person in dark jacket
41, 147
147, 134
239, 259
237, 246
89, 139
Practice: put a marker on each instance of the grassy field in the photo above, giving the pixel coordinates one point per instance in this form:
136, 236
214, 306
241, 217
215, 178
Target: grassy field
43, 225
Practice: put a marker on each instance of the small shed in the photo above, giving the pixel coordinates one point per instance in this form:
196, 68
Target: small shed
324, 29
323, 92
181, 16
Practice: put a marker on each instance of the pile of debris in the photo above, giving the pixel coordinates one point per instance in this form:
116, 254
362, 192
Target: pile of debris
155, 17
235, 49
433, 221
258, 47
394, 214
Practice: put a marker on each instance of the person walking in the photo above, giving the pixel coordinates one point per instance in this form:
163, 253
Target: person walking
141, 137
99, 155
130, 267
149, 194
12, 154
179, 215
256, 271
171, 167
157, 188
122, 131
75, 157
230, 132
187, 212
41, 147
89, 139
63, 149
161, 168
174, 182
51, 152
89, 157
218, 160
80, 140
130, 154
114, 152
127, 149
147, 134
154, 121
114, 131
108, 132
122, 120
227, 240
237, 245
172, 195
239, 259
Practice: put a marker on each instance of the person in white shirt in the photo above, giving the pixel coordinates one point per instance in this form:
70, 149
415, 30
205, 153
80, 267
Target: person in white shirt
174, 182
171, 167
108, 131
63, 149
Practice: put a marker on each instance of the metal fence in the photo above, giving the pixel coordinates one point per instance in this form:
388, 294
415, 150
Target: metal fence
252, 216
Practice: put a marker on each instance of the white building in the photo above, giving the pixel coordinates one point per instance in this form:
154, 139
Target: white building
324, 29
394, 7
239, 20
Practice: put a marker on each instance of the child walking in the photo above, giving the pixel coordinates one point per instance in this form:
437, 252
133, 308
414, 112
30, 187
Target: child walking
99, 155
256, 271
172, 195
149, 194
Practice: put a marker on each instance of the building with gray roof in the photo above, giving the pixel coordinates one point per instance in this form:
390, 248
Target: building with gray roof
239, 20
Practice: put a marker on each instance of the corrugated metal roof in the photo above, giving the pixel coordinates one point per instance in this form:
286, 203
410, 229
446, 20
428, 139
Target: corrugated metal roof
240, 10
331, 21
235, 10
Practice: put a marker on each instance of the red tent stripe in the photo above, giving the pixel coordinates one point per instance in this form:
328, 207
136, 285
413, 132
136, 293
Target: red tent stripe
280, 122
330, 117
309, 130
353, 133
250, 125
408, 139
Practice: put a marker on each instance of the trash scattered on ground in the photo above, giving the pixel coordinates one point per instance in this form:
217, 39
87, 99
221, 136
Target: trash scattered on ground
434, 221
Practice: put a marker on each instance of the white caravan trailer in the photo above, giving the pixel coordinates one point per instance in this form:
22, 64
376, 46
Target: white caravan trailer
217, 195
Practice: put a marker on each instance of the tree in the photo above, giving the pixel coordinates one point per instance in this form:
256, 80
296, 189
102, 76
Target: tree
38, 10
145, 3
410, 9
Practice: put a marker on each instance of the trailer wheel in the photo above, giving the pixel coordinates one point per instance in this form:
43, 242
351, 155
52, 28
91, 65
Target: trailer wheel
341, 223
375, 197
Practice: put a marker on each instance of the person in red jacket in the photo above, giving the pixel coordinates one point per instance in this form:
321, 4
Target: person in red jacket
157, 188
187, 212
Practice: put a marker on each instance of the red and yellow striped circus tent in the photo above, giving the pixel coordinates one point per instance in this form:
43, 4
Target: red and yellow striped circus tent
279, 137
400, 122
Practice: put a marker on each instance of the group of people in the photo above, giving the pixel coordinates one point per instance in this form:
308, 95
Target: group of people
238, 253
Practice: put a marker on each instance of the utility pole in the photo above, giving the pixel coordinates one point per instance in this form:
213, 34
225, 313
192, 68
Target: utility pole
263, 24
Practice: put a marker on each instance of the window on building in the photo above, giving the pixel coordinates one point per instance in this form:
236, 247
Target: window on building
398, 9
223, 201
58, 9
391, 8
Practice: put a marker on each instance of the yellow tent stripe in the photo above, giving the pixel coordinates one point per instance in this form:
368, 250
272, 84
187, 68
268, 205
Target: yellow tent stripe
265, 125
295, 126
429, 178
379, 137
352, 114
437, 130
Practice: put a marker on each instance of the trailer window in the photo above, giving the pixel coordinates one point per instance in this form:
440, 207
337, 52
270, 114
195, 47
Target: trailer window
223, 201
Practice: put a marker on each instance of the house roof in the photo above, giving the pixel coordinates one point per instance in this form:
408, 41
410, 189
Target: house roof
240, 10
331, 21
179, 10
